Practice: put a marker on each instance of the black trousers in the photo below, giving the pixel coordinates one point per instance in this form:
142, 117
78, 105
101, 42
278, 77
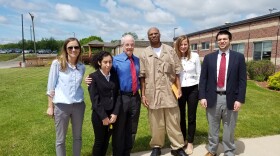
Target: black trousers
189, 96
102, 136
128, 121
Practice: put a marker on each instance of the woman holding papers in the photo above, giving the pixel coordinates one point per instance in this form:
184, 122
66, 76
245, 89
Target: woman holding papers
189, 78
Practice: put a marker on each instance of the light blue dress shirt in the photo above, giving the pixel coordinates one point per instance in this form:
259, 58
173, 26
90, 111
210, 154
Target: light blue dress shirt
67, 85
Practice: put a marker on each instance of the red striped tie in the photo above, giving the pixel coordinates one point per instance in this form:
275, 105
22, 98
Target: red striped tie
222, 71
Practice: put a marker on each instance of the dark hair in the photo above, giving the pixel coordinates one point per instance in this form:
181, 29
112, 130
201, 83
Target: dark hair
98, 57
224, 32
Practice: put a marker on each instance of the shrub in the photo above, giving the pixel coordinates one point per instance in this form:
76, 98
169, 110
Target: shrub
260, 70
274, 81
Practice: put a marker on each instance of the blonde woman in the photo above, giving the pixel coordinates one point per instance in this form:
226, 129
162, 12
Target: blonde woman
189, 79
66, 96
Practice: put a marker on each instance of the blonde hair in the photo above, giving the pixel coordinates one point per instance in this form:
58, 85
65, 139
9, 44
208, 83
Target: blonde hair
178, 42
63, 58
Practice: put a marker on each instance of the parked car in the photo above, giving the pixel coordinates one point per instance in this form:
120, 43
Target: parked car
2, 51
18, 50
27, 51
41, 51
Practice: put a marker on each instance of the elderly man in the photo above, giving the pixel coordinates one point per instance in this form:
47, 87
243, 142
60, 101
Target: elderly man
159, 69
127, 67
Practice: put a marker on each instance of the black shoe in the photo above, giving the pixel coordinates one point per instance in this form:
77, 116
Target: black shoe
156, 152
179, 152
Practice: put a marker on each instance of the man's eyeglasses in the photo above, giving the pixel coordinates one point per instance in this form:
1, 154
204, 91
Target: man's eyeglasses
75, 47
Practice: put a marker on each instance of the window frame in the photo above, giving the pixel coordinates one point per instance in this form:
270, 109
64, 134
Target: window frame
205, 44
262, 50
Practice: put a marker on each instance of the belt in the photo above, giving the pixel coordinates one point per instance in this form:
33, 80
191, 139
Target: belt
221, 92
129, 93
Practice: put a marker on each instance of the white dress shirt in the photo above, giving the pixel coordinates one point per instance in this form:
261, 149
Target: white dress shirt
191, 70
218, 69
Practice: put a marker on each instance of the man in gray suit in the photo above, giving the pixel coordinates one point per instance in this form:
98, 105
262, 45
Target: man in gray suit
222, 90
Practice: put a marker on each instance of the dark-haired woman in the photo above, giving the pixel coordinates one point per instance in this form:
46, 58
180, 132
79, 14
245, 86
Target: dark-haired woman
104, 95
66, 96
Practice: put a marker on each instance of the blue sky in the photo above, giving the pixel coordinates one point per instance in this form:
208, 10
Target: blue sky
109, 19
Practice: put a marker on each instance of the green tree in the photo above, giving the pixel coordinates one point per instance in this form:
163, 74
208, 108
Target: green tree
90, 38
135, 36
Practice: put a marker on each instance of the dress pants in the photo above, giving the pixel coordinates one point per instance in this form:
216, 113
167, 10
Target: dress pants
189, 96
162, 121
128, 122
62, 115
102, 135
229, 117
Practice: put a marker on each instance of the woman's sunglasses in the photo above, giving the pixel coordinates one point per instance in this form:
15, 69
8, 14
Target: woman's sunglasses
75, 47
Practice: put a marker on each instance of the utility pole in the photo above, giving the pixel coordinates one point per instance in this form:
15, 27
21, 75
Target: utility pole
32, 17
23, 57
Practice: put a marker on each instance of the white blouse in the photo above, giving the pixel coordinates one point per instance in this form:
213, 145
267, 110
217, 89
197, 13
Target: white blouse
191, 73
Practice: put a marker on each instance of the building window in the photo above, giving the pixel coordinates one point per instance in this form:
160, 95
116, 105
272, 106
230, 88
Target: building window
262, 50
216, 46
194, 47
239, 47
205, 45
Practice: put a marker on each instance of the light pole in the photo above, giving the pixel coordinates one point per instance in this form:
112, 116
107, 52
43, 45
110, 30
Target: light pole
30, 33
174, 33
23, 57
74, 34
270, 10
32, 17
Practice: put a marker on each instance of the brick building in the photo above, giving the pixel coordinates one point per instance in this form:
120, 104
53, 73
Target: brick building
257, 38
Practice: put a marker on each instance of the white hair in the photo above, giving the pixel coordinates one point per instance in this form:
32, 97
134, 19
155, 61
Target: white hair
127, 36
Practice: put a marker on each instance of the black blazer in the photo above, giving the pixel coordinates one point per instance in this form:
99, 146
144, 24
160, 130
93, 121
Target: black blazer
104, 95
236, 79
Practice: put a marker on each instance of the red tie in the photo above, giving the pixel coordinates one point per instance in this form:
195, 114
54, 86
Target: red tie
133, 75
222, 71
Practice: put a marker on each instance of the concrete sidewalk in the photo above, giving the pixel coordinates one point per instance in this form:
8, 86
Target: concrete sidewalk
262, 146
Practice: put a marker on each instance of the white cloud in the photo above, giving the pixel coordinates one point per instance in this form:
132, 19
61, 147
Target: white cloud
109, 19
9, 40
3, 19
146, 5
202, 9
159, 16
24, 5
67, 12
120, 12
252, 15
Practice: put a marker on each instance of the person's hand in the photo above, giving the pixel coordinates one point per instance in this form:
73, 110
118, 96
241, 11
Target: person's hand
113, 118
50, 111
106, 121
145, 101
237, 106
88, 80
52, 92
203, 103
179, 93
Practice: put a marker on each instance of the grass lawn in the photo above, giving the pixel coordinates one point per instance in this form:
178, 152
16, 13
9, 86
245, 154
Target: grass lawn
6, 57
26, 130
